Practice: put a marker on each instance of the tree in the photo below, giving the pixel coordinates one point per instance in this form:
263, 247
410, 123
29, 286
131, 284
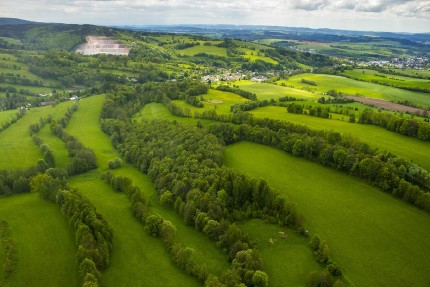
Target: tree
153, 224
46, 186
260, 279
315, 242
88, 266
166, 199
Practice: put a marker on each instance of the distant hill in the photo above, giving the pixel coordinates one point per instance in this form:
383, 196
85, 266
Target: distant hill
14, 21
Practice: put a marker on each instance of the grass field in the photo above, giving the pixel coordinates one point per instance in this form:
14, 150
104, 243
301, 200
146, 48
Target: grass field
24, 152
93, 137
219, 101
57, 146
6, 116
44, 242
407, 147
138, 259
393, 80
32, 89
377, 240
266, 91
159, 111
413, 72
85, 126
210, 50
353, 87
287, 261
205, 250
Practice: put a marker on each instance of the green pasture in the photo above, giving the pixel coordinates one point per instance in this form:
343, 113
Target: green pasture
138, 259
219, 101
268, 41
44, 243
158, 111
7, 57
11, 40
205, 250
353, 87
85, 125
32, 89
6, 116
253, 56
265, 91
210, 50
17, 149
287, 261
377, 239
57, 146
407, 147
393, 80
93, 137
411, 72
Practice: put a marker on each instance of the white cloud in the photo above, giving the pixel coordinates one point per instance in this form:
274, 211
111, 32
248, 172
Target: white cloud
350, 14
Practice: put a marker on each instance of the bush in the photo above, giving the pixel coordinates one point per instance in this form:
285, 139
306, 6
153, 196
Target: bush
114, 163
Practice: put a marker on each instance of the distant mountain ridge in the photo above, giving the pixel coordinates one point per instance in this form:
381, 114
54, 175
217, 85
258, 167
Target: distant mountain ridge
14, 21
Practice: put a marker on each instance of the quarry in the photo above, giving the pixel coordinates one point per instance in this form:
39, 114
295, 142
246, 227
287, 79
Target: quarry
102, 45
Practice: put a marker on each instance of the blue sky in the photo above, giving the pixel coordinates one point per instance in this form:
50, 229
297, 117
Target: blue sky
368, 15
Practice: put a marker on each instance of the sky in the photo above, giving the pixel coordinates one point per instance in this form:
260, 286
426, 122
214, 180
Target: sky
363, 15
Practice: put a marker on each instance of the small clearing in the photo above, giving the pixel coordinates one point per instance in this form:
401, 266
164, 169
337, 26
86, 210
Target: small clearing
102, 45
385, 105
215, 102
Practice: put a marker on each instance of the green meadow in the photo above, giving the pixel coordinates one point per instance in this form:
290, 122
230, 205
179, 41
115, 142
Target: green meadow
407, 147
210, 50
353, 87
138, 259
6, 116
85, 126
44, 243
392, 80
57, 146
158, 111
265, 91
32, 89
286, 258
412, 72
17, 149
378, 240
205, 250
219, 101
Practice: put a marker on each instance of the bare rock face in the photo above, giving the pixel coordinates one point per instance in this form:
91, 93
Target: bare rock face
102, 45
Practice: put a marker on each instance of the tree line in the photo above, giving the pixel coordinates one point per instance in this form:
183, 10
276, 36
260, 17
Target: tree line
93, 233
8, 250
408, 127
185, 163
403, 179
157, 226
83, 158
238, 91
14, 119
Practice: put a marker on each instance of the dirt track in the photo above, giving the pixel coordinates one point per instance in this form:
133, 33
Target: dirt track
385, 105
102, 45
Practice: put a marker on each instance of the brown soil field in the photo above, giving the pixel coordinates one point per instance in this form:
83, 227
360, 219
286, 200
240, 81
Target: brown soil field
385, 105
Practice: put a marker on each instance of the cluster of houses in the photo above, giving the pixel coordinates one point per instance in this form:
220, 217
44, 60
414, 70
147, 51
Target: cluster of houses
235, 76
418, 63
50, 102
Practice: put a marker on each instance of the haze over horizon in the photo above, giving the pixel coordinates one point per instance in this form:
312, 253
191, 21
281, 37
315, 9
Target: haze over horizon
368, 15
